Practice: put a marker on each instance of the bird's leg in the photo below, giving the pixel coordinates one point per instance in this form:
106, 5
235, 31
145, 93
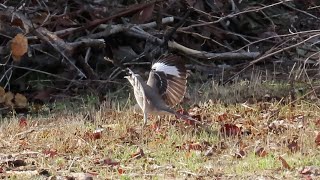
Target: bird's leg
159, 120
145, 119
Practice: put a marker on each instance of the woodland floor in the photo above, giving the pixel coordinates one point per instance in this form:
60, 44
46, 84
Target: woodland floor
78, 138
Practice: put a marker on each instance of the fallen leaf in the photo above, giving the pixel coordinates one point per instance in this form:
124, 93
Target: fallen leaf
155, 126
223, 117
195, 146
19, 46
97, 134
284, 163
240, 154
317, 122
20, 100
120, 170
108, 162
50, 152
308, 170
138, 154
230, 130
261, 152
22, 122
293, 146
317, 140
2, 170
144, 15
8, 97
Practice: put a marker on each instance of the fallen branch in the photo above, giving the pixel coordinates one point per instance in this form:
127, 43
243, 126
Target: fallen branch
213, 56
114, 29
64, 48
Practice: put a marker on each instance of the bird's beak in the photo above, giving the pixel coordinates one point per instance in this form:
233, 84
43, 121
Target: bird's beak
126, 77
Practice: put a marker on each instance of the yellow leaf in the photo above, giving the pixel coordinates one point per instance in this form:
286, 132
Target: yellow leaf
20, 100
19, 46
8, 97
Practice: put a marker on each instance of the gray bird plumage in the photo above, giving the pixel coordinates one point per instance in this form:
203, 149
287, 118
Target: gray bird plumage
165, 88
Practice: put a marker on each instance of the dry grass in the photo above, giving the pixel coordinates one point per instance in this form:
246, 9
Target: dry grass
68, 143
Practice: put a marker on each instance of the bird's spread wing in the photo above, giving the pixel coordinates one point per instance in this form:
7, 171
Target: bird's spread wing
168, 77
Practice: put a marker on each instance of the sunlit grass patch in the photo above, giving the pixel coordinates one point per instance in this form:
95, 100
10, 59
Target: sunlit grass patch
105, 140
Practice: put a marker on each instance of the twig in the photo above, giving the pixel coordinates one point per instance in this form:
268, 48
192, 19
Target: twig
113, 29
131, 9
271, 54
278, 36
174, 29
233, 15
39, 71
303, 12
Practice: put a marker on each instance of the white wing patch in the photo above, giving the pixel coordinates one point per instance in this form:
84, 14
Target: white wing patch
160, 66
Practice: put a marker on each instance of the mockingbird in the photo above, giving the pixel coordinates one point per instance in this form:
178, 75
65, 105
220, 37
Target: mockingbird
164, 89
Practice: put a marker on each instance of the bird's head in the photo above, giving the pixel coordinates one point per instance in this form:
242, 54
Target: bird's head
130, 75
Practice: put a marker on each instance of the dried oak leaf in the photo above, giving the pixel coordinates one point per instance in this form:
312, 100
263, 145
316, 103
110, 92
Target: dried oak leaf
20, 100
92, 135
230, 130
8, 97
19, 46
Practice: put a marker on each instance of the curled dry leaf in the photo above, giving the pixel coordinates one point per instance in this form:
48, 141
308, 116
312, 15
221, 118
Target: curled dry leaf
240, 154
120, 170
261, 152
19, 46
284, 163
138, 154
20, 100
